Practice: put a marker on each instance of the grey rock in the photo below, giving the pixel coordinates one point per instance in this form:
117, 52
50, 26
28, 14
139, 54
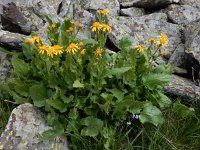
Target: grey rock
112, 5
183, 88
147, 3
180, 59
5, 66
23, 129
192, 39
194, 3
11, 40
183, 14
72, 9
132, 12
13, 20
143, 28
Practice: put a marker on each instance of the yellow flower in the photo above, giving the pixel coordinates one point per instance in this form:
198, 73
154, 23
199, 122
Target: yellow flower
50, 51
96, 26
139, 48
52, 26
29, 40
80, 26
163, 40
57, 49
82, 52
70, 29
99, 52
81, 44
106, 28
104, 12
151, 40
43, 49
37, 39
72, 48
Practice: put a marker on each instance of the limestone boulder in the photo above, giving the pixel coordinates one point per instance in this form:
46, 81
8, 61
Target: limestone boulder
192, 39
132, 12
23, 129
183, 14
140, 29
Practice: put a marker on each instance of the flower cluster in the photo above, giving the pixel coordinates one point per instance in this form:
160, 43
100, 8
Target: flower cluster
161, 42
97, 26
104, 12
34, 39
51, 50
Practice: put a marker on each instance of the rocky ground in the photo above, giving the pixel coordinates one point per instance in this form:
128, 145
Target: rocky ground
137, 19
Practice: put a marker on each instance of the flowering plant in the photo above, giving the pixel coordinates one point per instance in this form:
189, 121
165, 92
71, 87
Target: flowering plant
85, 89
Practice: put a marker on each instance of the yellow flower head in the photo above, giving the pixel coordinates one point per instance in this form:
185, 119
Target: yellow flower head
82, 52
106, 28
37, 39
43, 49
151, 40
81, 44
52, 26
139, 48
104, 12
163, 40
50, 51
57, 49
96, 26
80, 26
29, 40
70, 29
99, 52
72, 48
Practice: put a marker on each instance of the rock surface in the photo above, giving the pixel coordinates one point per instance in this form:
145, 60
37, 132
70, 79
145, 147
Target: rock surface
183, 14
145, 27
147, 3
10, 40
192, 39
183, 88
132, 12
23, 129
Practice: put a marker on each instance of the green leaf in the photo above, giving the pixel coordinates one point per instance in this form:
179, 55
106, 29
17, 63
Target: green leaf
77, 84
116, 71
135, 107
52, 133
93, 126
20, 68
153, 80
163, 101
125, 43
22, 89
57, 104
38, 94
182, 110
151, 114
89, 42
117, 93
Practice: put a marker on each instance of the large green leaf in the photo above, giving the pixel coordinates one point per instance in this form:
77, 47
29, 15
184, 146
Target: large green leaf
182, 110
152, 80
117, 71
163, 101
52, 133
151, 114
38, 94
117, 93
93, 126
20, 68
57, 104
